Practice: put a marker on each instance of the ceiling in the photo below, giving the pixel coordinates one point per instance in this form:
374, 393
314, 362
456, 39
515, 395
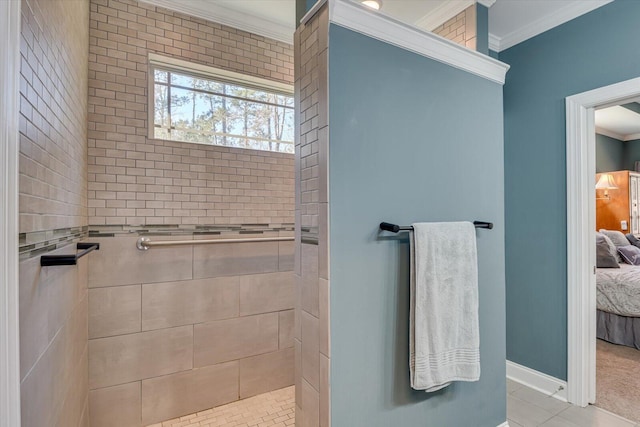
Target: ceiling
620, 122
510, 21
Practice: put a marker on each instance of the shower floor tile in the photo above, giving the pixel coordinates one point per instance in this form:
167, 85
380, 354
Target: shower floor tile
273, 409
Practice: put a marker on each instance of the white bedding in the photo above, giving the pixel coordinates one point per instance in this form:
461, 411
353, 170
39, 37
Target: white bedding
618, 290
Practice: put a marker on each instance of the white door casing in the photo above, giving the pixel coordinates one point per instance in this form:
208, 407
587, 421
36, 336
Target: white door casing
9, 108
581, 223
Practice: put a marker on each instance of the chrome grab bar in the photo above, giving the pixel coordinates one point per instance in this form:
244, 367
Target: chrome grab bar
144, 243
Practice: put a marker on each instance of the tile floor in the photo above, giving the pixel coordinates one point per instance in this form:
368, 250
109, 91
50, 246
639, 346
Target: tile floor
527, 407
273, 409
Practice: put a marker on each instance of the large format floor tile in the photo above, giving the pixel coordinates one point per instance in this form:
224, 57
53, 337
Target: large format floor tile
527, 407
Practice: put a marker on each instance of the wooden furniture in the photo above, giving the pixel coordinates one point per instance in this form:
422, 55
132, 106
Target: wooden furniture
622, 204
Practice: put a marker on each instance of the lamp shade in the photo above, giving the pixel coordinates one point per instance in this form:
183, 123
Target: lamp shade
606, 182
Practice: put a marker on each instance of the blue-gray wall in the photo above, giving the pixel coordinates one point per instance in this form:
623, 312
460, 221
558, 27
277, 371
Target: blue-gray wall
411, 140
609, 154
594, 50
631, 154
482, 29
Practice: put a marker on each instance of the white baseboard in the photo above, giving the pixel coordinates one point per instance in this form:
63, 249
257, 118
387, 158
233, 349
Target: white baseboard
537, 380
504, 424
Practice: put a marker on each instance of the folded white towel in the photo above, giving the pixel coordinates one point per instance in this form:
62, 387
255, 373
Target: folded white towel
444, 339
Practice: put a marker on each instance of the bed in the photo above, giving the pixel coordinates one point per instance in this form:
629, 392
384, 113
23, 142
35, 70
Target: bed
618, 303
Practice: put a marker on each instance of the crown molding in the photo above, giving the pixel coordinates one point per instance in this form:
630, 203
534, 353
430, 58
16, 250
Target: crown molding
570, 11
223, 15
494, 42
361, 19
610, 133
442, 14
314, 9
632, 137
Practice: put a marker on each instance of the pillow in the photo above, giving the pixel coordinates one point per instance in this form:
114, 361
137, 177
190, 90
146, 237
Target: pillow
633, 240
616, 237
604, 258
630, 254
612, 247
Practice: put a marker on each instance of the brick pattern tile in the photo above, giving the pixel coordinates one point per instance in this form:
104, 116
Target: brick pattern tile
53, 115
273, 409
461, 28
135, 180
307, 106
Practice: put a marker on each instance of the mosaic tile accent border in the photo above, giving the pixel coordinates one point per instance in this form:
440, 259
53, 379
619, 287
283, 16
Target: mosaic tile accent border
185, 230
39, 242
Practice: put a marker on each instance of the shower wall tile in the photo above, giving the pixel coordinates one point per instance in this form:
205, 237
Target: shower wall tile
119, 262
266, 372
127, 358
114, 311
58, 374
119, 405
325, 395
310, 279
461, 28
184, 393
188, 302
233, 259
53, 115
236, 338
310, 416
310, 350
75, 402
137, 180
222, 310
47, 297
311, 324
324, 328
286, 332
265, 293
286, 252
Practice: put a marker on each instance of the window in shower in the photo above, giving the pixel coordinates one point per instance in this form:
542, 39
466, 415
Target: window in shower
194, 103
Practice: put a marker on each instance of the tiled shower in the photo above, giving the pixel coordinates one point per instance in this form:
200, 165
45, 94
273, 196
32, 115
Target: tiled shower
130, 337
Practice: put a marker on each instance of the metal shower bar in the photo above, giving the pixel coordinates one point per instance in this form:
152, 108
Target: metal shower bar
144, 243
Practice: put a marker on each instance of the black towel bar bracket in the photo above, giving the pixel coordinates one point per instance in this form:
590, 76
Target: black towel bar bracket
395, 228
51, 260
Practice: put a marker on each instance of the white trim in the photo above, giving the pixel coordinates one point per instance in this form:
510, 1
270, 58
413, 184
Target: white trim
442, 13
581, 287
9, 108
570, 11
215, 12
219, 73
504, 424
494, 42
538, 381
615, 135
487, 3
609, 133
359, 18
314, 9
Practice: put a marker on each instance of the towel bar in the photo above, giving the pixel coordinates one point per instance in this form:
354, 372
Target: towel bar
395, 228
51, 260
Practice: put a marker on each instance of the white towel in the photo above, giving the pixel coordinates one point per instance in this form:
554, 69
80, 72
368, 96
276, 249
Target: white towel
444, 339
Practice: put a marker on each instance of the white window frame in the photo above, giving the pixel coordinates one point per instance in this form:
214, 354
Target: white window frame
166, 63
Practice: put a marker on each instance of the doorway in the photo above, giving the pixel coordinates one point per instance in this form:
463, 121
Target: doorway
581, 225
